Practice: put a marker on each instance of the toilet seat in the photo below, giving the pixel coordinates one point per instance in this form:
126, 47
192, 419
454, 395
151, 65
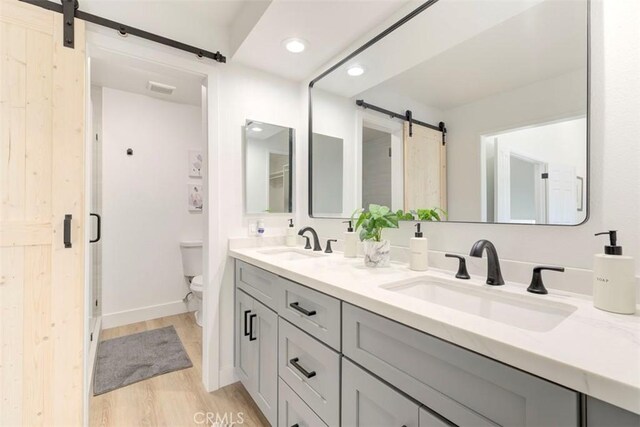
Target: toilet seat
196, 284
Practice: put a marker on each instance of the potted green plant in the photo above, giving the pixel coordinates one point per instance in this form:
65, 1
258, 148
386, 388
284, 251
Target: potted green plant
371, 222
435, 214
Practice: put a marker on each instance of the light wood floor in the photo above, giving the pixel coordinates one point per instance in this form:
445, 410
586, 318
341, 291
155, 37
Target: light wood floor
171, 399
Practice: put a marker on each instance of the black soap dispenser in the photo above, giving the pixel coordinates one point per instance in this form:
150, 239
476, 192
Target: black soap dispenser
292, 236
614, 287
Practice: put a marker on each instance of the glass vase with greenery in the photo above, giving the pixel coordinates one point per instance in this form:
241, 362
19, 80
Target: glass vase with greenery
371, 222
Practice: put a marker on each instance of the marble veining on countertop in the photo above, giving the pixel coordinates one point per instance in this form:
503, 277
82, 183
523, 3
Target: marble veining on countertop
591, 351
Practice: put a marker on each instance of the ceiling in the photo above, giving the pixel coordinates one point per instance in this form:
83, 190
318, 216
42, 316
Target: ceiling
328, 27
268, 130
133, 75
202, 23
250, 32
497, 46
510, 55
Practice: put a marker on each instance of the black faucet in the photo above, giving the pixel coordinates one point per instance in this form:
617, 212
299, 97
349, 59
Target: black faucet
494, 275
316, 241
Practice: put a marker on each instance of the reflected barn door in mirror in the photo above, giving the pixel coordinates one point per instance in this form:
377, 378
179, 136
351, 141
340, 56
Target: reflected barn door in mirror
268, 160
504, 83
425, 169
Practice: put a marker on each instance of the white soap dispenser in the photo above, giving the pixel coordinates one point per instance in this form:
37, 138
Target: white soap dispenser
350, 242
419, 248
614, 278
292, 236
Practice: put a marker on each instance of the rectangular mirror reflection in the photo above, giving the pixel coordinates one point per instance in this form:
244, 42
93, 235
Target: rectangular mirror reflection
485, 119
268, 160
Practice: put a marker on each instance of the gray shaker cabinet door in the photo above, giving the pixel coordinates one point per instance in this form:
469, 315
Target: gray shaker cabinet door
368, 402
462, 386
429, 419
244, 349
602, 414
293, 411
265, 332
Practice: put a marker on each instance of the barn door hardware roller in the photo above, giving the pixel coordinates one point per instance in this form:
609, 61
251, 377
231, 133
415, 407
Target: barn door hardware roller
70, 10
407, 117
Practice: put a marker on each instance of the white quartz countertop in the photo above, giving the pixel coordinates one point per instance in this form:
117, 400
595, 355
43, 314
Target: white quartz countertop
591, 351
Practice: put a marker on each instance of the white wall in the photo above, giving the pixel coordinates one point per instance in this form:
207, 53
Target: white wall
145, 213
615, 162
245, 93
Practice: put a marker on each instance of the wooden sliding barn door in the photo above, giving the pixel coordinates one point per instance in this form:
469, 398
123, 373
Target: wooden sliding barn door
41, 180
425, 169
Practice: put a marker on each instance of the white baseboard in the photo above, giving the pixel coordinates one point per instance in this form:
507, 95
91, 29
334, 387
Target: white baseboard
228, 376
142, 314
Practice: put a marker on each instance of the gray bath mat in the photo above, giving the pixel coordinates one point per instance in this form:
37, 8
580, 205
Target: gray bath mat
132, 358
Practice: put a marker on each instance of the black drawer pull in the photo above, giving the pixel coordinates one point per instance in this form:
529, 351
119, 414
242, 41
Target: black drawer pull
67, 231
251, 337
295, 425
246, 324
307, 374
296, 306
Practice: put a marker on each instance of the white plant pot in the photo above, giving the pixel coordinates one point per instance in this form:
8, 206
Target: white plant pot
377, 254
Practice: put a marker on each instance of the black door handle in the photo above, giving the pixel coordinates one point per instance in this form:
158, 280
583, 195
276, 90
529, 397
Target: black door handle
99, 229
307, 374
251, 337
296, 306
246, 331
67, 230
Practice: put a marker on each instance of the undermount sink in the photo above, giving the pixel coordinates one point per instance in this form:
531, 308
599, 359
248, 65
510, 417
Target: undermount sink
291, 254
493, 304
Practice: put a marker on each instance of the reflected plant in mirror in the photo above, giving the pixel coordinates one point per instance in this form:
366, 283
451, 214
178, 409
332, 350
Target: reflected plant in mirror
268, 160
484, 119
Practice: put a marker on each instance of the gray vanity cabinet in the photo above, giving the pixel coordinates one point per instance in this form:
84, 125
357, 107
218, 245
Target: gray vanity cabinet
292, 410
368, 402
461, 386
602, 414
261, 284
257, 352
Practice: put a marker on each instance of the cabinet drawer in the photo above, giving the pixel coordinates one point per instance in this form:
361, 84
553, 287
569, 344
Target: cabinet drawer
462, 386
312, 311
368, 402
293, 411
311, 369
259, 283
428, 419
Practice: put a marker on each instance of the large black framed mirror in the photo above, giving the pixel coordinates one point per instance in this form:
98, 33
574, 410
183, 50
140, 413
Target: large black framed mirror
478, 108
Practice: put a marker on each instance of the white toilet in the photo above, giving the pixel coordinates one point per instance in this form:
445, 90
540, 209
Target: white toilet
192, 268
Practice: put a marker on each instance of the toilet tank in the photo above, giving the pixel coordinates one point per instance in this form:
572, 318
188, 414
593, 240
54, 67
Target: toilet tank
191, 258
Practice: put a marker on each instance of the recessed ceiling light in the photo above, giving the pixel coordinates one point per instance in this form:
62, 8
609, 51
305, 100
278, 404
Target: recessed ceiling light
355, 70
294, 45
256, 129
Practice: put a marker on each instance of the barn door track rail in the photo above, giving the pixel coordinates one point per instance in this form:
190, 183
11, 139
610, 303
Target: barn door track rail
70, 10
407, 117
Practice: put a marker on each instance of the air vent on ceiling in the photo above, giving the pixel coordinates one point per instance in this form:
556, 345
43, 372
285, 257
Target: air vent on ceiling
160, 88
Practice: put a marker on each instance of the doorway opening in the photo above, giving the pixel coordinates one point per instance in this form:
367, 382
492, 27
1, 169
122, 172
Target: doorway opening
533, 175
146, 181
